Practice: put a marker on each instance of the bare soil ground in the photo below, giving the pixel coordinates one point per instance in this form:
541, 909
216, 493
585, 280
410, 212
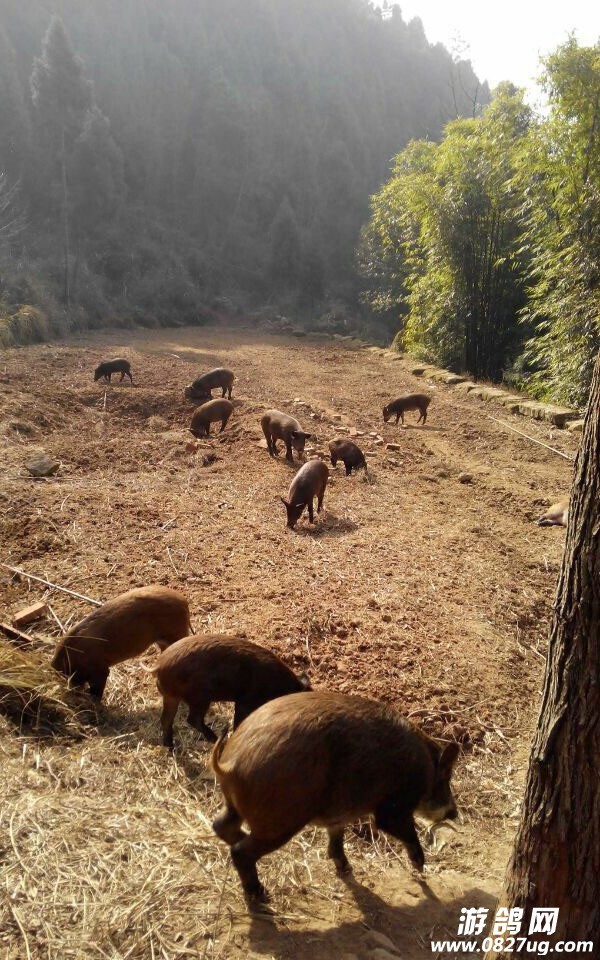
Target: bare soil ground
416, 589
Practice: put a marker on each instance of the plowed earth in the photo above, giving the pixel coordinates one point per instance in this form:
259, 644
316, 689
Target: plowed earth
414, 588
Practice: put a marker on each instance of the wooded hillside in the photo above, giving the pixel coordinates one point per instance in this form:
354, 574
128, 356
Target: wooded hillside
209, 148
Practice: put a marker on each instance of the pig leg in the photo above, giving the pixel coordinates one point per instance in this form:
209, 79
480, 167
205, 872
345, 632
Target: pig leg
348, 469
129, 375
122, 376
196, 720
335, 850
244, 856
98, 683
399, 823
228, 825
288, 451
224, 423
224, 391
243, 709
167, 719
311, 516
320, 501
270, 443
228, 393
425, 415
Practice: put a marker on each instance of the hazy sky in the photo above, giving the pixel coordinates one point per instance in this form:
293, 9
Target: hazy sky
505, 39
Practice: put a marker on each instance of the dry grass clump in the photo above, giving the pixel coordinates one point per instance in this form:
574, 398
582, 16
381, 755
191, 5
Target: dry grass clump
32, 694
27, 325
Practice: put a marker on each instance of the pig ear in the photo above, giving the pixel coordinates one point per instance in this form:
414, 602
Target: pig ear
307, 436
449, 756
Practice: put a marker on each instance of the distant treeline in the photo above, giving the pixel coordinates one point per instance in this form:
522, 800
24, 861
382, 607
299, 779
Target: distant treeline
487, 244
168, 154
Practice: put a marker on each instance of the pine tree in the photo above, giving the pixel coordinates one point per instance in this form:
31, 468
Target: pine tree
61, 95
286, 247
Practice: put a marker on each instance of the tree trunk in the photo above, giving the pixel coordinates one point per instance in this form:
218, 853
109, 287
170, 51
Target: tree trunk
556, 857
65, 213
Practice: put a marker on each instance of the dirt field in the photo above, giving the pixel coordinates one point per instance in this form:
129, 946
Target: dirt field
416, 588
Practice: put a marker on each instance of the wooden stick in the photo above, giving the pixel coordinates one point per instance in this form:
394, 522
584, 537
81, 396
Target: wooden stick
55, 586
533, 439
15, 634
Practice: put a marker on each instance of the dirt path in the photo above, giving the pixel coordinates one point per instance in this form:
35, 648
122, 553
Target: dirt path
416, 588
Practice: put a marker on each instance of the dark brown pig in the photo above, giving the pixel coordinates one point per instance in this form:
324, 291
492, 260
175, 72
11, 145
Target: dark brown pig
202, 669
280, 426
108, 367
349, 453
211, 412
326, 759
203, 386
120, 629
309, 482
408, 401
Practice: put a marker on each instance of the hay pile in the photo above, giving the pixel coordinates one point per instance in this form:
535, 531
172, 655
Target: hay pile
33, 695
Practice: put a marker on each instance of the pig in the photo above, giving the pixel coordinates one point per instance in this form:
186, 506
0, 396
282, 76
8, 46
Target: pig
120, 629
408, 401
108, 367
309, 482
204, 385
556, 515
280, 426
347, 451
210, 412
326, 759
201, 669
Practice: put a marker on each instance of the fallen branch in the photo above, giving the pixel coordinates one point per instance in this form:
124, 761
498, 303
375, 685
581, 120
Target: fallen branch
15, 634
54, 586
533, 439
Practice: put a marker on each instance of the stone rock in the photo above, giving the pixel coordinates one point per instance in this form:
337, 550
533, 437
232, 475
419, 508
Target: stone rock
418, 371
453, 379
374, 939
508, 399
41, 465
559, 416
299, 333
378, 443
465, 386
393, 446
492, 393
465, 478
575, 426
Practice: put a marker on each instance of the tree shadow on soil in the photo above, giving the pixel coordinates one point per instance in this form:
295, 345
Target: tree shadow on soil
410, 927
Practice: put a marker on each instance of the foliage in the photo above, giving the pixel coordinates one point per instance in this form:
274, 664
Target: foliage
562, 217
486, 246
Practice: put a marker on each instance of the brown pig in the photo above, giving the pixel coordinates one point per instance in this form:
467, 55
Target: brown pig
208, 413
203, 386
326, 759
120, 629
280, 426
108, 367
309, 482
556, 515
408, 401
349, 453
202, 669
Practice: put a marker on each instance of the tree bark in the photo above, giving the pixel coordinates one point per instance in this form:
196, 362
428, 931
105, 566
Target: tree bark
556, 857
